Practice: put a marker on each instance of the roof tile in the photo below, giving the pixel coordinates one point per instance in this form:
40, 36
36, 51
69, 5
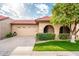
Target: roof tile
23, 22
45, 18
3, 17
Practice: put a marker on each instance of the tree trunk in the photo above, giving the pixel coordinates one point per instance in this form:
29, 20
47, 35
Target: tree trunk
73, 39
73, 33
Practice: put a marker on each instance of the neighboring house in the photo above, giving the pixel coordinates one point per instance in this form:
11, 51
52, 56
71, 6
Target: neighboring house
40, 25
5, 26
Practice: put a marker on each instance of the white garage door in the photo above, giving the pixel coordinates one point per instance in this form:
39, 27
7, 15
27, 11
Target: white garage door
26, 30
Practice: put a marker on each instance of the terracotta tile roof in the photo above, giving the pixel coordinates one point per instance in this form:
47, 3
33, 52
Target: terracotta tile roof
23, 22
45, 18
3, 17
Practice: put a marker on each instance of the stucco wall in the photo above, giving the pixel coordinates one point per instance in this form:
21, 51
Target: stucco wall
25, 30
5, 27
42, 25
57, 30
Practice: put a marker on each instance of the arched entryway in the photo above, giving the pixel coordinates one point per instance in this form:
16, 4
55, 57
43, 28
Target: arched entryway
49, 29
64, 29
64, 32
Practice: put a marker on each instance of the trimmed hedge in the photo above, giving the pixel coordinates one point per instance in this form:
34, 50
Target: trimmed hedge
45, 36
64, 36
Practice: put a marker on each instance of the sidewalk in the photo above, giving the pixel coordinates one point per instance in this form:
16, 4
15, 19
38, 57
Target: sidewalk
22, 51
27, 51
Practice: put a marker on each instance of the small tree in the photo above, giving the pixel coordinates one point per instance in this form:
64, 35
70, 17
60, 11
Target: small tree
66, 14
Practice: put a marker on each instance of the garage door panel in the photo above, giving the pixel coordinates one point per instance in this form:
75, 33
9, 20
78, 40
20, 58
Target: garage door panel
24, 31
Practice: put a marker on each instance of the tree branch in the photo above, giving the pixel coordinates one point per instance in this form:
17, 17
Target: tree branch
70, 28
76, 31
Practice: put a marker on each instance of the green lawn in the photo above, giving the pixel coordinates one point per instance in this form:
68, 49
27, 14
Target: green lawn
57, 46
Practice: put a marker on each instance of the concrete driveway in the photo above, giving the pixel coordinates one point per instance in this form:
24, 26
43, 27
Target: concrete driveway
8, 45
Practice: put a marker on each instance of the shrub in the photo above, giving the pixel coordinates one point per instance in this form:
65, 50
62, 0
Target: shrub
9, 35
64, 36
45, 36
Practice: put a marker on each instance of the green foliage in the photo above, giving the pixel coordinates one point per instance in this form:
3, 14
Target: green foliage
8, 35
45, 36
64, 36
65, 13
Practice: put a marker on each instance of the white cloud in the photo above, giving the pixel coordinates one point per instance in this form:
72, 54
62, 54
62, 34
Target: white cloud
42, 9
20, 11
5, 8
14, 10
1, 12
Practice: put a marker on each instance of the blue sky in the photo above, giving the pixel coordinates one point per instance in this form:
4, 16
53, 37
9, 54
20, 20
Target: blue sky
26, 10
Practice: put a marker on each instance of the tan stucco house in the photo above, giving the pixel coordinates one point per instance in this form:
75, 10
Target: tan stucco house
31, 27
5, 26
40, 25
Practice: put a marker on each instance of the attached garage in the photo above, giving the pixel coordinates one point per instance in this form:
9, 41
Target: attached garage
24, 27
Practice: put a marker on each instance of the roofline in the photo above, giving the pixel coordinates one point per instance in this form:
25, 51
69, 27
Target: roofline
42, 20
4, 18
22, 24
16, 23
36, 20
